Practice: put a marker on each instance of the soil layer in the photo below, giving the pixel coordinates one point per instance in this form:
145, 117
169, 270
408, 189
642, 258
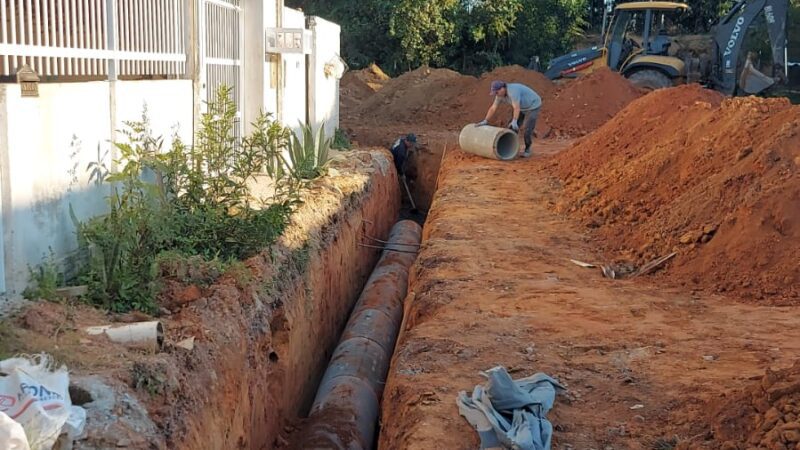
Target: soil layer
262, 334
716, 181
494, 285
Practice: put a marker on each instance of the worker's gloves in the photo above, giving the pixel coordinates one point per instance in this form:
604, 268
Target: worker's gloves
482, 123
513, 125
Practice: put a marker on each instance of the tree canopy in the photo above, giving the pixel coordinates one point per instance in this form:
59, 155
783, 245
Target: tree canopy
466, 35
473, 36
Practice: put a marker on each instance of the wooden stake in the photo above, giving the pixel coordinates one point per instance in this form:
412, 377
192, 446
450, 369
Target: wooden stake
439, 172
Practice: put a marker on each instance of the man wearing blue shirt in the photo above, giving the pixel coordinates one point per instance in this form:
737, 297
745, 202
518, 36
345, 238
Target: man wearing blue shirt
526, 104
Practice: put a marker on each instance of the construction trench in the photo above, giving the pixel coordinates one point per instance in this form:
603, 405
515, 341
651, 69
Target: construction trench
507, 269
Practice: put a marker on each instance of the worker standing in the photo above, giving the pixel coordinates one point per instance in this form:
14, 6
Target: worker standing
526, 104
400, 151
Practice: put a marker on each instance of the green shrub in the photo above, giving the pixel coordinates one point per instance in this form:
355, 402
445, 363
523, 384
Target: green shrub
310, 155
44, 280
192, 201
341, 141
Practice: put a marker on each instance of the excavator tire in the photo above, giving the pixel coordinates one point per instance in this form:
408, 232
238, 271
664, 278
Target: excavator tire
650, 79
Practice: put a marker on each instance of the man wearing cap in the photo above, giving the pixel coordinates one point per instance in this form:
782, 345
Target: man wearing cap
526, 104
400, 150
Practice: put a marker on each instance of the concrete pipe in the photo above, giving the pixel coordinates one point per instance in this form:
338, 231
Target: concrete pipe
489, 142
345, 410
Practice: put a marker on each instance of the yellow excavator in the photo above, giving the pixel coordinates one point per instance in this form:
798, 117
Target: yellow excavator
638, 44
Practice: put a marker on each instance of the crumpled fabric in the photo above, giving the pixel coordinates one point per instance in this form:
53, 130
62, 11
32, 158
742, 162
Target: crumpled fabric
510, 413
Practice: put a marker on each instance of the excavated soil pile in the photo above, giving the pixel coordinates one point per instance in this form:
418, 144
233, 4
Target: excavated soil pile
358, 85
444, 99
422, 96
352, 92
682, 170
581, 106
448, 100
763, 415
474, 103
373, 76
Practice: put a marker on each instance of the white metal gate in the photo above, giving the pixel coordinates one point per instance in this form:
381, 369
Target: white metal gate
75, 39
221, 50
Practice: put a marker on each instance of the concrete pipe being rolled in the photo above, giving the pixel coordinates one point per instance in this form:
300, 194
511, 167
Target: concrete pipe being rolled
345, 410
489, 142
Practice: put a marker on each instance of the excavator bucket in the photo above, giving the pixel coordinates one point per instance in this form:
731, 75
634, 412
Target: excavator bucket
729, 38
752, 81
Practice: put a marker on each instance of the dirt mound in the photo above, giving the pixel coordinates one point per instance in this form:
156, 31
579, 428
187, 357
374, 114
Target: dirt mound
475, 101
764, 415
417, 97
352, 93
372, 76
357, 86
581, 106
716, 181
443, 98
447, 100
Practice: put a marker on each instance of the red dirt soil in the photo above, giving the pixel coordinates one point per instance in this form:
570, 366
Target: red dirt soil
421, 96
493, 285
764, 414
446, 100
714, 180
352, 91
373, 76
581, 106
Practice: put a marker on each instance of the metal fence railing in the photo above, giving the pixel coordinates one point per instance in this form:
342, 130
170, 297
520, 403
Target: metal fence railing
71, 38
221, 50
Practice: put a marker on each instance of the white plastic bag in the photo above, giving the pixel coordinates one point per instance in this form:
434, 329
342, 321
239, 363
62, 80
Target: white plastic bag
35, 396
12, 436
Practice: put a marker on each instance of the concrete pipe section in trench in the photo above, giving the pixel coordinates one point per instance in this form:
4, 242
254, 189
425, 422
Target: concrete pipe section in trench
345, 411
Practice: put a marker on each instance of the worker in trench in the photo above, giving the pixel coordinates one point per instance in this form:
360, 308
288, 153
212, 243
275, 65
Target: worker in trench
526, 104
402, 150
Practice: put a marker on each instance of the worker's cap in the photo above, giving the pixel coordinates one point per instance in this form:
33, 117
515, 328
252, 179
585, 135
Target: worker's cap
411, 137
496, 86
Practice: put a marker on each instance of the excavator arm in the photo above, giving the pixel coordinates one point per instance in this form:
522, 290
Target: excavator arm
728, 40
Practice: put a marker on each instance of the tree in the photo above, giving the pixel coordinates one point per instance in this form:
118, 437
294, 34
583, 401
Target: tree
471, 36
546, 28
703, 14
365, 29
486, 27
425, 29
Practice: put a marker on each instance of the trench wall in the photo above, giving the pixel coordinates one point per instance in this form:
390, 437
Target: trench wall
265, 347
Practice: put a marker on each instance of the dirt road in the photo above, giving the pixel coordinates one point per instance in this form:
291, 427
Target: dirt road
494, 286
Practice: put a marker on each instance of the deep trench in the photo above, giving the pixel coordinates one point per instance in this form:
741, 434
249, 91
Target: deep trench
409, 210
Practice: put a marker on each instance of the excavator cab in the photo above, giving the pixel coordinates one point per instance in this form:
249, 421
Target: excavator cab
639, 45
639, 42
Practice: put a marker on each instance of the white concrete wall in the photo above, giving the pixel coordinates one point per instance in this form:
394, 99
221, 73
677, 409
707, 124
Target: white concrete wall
270, 88
169, 105
320, 101
46, 144
294, 65
324, 90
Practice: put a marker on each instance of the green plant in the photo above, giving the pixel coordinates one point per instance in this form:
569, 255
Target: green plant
7, 338
341, 141
240, 273
310, 155
44, 280
123, 243
192, 201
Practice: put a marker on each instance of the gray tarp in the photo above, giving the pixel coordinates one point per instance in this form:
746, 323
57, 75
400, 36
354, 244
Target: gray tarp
511, 413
